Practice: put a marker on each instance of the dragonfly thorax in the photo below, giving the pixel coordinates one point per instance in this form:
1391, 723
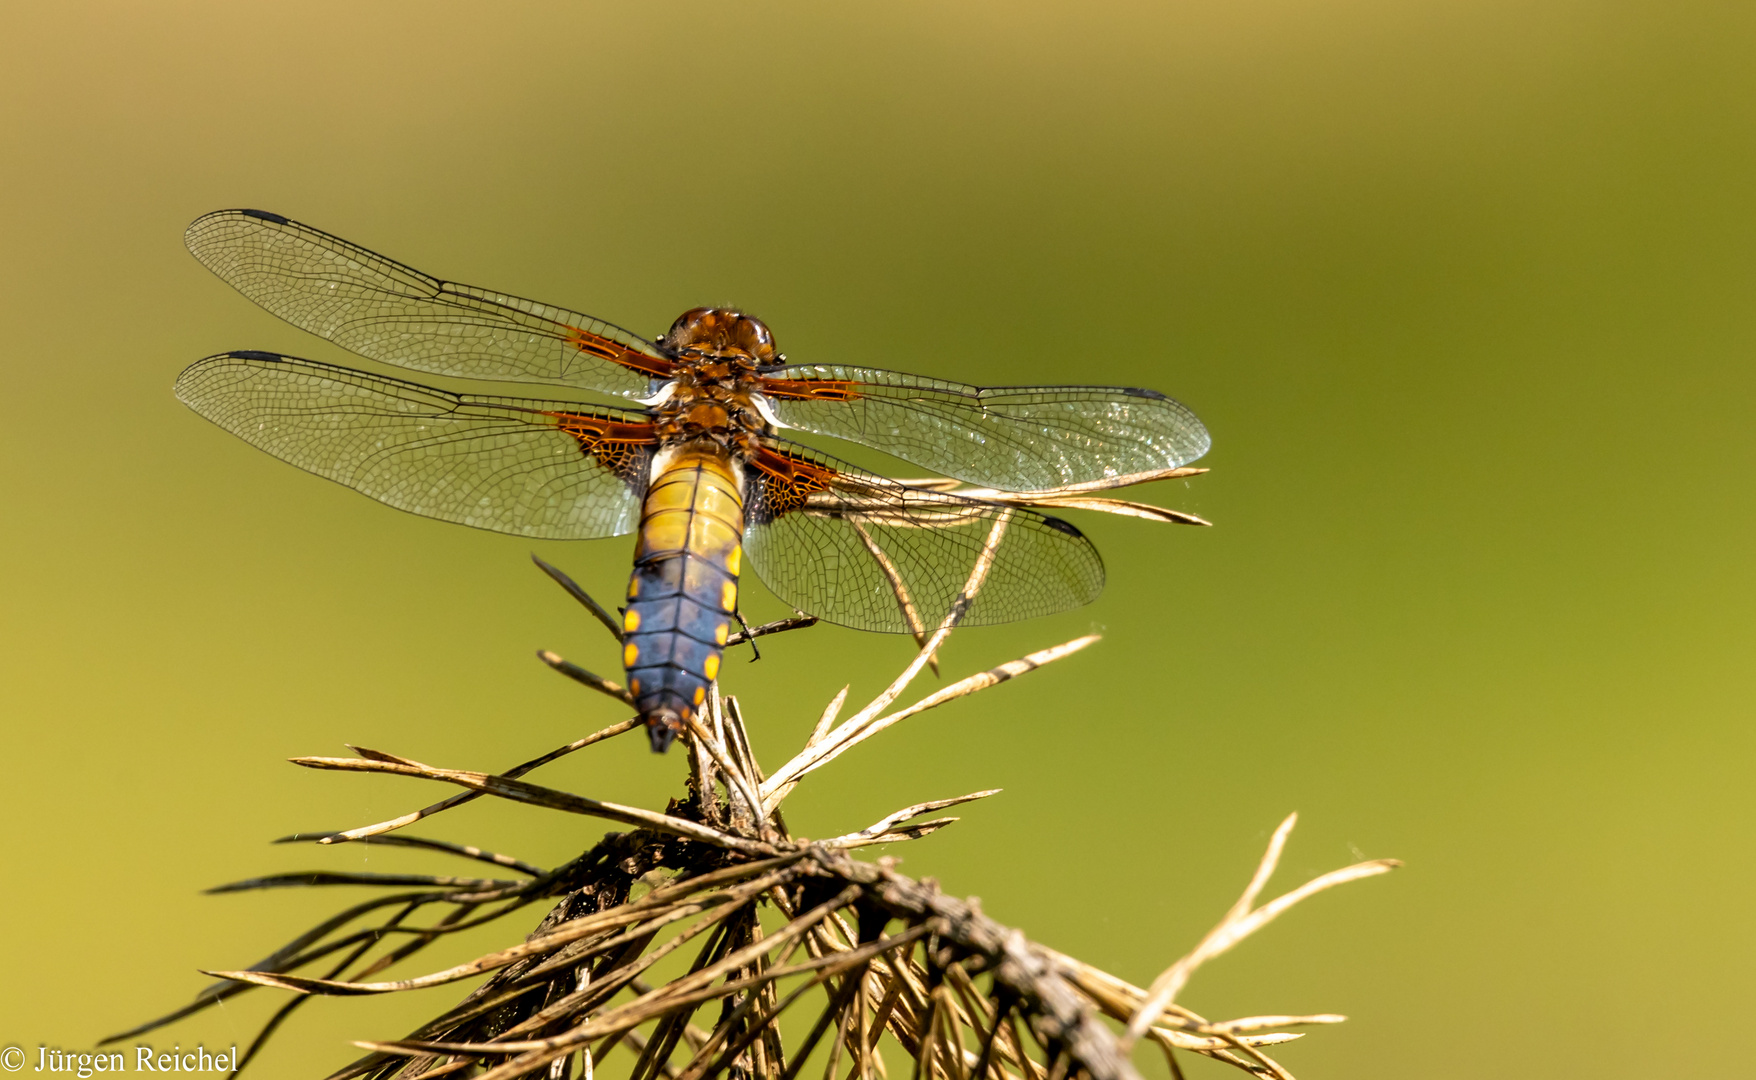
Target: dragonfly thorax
699, 413
721, 333
719, 353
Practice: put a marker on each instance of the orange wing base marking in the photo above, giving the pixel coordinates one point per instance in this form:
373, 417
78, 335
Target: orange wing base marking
604, 349
614, 444
791, 479
811, 389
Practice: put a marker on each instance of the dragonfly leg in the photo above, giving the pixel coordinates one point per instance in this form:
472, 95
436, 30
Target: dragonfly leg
755, 653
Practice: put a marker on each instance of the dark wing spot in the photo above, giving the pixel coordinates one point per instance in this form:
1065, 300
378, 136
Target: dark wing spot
1135, 391
1061, 526
253, 354
265, 216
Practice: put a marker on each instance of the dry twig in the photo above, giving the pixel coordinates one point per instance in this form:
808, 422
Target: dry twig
893, 961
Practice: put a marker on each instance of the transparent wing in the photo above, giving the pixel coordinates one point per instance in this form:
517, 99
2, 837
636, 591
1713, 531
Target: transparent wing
862, 551
532, 468
1022, 438
386, 311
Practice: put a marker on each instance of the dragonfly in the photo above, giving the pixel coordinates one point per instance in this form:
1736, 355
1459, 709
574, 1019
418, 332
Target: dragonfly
699, 462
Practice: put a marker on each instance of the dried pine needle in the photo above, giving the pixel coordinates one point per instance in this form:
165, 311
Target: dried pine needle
891, 961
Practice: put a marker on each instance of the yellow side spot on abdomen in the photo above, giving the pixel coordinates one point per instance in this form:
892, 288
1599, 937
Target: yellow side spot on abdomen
630, 655
734, 560
720, 632
700, 694
711, 667
634, 687
630, 621
633, 587
728, 596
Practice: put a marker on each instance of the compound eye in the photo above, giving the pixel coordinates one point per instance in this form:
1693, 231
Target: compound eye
688, 326
758, 342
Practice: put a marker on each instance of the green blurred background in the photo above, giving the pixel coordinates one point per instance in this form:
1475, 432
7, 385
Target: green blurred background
1462, 289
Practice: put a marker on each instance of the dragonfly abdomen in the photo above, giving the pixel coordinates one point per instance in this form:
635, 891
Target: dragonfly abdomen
684, 589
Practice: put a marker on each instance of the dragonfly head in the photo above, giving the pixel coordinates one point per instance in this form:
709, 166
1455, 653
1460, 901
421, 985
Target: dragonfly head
721, 332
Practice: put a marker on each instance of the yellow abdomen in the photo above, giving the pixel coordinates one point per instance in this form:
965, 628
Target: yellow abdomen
683, 593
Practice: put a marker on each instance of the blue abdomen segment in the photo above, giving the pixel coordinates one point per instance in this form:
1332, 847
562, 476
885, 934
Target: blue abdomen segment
684, 590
